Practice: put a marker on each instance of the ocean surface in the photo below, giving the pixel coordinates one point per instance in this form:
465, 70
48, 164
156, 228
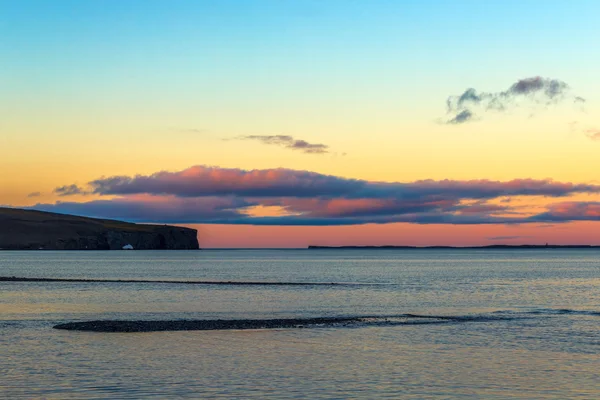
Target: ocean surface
522, 324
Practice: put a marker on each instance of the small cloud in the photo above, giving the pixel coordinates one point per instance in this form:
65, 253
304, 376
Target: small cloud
593, 134
573, 126
69, 190
289, 142
461, 117
535, 90
34, 194
188, 130
506, 237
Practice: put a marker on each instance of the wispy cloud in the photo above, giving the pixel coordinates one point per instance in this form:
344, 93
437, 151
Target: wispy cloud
189, 130
34, 194
593, 134
289, 142
507, 237
203, 194
535, 90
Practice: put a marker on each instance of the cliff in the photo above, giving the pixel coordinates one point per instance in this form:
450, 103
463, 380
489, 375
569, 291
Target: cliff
33, 230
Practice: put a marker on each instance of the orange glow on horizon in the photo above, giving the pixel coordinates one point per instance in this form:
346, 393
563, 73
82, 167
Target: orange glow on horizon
250, 236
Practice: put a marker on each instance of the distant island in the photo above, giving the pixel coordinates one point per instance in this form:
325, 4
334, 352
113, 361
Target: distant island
37, 230
490, 247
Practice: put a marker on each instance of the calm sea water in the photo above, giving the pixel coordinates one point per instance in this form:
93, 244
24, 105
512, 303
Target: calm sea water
531, 328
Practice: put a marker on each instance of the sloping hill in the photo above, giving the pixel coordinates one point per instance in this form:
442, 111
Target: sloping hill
29, 229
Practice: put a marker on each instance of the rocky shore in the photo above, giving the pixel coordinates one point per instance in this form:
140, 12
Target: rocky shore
201, 325
278, 323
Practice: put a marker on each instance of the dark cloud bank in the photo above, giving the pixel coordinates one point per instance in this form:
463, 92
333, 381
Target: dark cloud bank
203, 194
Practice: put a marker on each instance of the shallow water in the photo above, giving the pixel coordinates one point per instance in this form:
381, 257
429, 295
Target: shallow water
527, 327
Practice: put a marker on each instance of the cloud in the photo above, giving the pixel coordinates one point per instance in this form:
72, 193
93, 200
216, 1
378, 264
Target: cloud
157, 209
289, 142
34, 194
571, 211
192, 130
195, 211
535, 90
187, 211
461, 117
200, 181
506, 237
550, 87
202, 194
482, 207
214, 181
69, 190
593, 134
176, 129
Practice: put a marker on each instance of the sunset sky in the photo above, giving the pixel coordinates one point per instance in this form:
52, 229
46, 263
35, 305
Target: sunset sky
287, 123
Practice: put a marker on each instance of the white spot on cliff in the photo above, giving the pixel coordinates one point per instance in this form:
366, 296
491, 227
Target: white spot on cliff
128, 247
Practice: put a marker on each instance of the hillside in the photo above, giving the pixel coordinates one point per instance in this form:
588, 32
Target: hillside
32, 230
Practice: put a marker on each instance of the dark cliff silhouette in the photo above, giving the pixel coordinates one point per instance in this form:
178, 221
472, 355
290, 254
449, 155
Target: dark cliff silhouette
33, 230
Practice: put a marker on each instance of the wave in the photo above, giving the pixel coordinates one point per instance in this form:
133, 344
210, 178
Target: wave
561, 311
185, 282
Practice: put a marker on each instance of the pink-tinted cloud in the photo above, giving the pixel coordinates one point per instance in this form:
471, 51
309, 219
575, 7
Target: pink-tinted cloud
201, 181
218, 195
593, 134
572, 211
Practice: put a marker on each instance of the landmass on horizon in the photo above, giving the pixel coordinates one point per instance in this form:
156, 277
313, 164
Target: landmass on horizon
37, 230
489, 247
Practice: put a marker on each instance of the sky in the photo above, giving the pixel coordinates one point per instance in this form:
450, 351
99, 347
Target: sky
289, 123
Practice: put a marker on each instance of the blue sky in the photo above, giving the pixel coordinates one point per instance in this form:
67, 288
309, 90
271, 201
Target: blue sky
259, 45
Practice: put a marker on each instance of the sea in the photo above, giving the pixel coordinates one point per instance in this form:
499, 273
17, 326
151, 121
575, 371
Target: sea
438, 324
